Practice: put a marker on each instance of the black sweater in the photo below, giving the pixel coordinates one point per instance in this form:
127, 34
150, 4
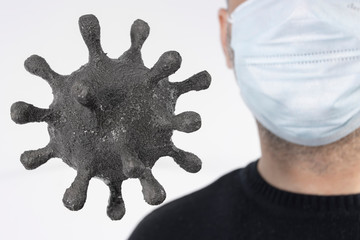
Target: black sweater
241, 205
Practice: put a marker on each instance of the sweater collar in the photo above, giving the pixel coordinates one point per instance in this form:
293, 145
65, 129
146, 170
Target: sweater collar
265, 193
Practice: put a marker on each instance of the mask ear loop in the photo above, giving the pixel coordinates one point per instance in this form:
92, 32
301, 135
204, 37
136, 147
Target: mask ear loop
230, 51
230, 19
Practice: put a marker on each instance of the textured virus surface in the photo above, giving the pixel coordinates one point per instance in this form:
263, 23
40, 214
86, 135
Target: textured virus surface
113, 118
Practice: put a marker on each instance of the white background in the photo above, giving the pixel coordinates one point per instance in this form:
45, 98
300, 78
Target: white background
31, 201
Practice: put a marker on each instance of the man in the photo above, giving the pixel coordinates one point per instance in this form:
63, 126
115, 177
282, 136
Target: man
297, 63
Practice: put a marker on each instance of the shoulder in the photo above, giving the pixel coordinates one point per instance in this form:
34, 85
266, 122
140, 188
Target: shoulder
186, 214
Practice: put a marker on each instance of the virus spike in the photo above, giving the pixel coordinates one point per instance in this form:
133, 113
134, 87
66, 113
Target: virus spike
187, 122
22, 112
116, 207
39, 67
35, 158
153, 192
75, 196
83, 93
139, 33
132, 165
167, 64
186, 160
197, 82
90, 31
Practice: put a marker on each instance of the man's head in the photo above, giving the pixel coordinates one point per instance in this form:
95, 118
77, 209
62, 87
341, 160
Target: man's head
229, 51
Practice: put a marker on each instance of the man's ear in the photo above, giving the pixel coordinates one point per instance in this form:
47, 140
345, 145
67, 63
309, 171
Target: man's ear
224, 35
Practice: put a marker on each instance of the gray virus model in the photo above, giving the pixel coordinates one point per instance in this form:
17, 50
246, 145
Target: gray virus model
112, 118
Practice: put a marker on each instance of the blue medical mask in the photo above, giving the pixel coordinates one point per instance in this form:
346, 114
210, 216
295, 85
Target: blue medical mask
297, 63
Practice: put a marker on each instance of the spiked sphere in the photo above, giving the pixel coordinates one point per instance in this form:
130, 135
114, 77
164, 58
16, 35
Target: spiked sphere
113, 118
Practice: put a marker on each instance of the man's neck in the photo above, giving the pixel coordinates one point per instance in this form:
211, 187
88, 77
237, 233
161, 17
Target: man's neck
332, 169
